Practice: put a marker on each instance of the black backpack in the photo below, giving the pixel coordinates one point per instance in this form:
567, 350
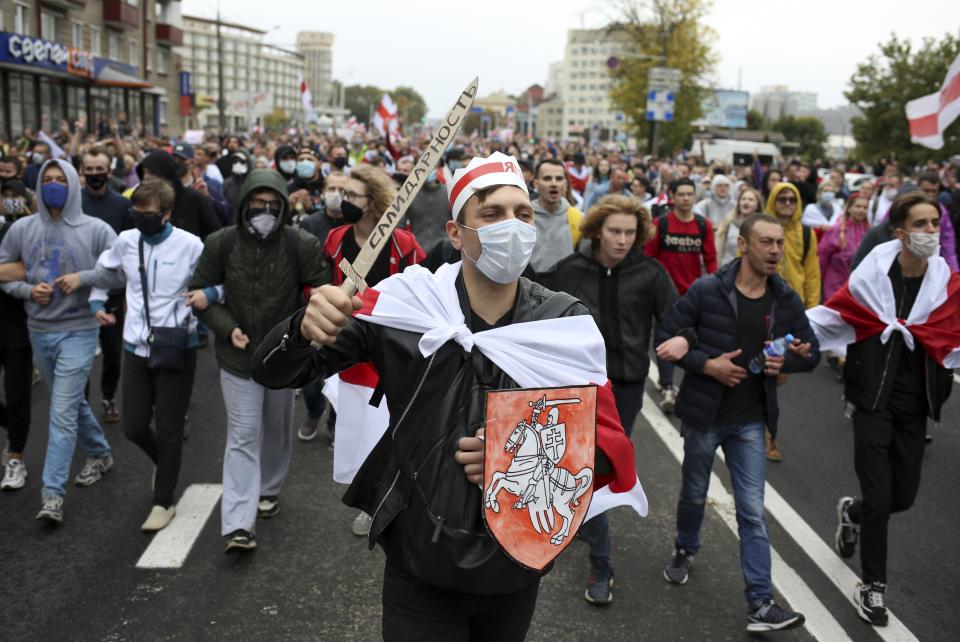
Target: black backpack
663, 223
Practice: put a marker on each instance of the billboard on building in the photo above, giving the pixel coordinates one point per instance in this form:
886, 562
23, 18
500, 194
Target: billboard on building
724, 108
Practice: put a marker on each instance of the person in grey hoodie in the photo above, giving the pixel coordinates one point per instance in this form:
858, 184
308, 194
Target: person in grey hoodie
59, 246
558, 222
718, 203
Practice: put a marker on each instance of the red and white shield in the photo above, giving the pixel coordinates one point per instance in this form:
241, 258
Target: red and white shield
539, 448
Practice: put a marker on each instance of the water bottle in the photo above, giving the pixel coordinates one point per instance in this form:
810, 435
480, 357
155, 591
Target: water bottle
776, 348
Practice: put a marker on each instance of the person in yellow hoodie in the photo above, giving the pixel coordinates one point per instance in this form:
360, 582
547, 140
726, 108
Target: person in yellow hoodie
800, 266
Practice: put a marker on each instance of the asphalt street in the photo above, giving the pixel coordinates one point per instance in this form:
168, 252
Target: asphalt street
312, 579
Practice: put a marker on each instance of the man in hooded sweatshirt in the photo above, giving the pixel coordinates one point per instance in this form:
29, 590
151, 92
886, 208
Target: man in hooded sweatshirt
557, 222
285, 158
59, 246
240, 166
192, 211
718, 203
263, 265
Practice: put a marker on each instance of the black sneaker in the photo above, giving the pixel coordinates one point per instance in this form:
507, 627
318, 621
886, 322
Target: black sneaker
600, 584
871, 603
268, 507
678, 570
845, 540
770, 617
241, 541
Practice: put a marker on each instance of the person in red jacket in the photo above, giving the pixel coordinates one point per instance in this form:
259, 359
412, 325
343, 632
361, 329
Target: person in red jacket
683, 243
366, 195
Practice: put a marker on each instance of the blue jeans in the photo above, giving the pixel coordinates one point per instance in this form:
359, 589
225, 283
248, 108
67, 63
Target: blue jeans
64, 360
744, 450
596, 532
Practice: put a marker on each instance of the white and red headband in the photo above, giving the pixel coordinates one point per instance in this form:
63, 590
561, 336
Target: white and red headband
481, 173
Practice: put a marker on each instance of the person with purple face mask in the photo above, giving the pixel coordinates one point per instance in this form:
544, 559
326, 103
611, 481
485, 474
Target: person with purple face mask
59, 246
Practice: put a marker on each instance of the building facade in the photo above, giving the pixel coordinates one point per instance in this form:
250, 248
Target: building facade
777, 101
316, 47
257, 77
108, 64
586, 81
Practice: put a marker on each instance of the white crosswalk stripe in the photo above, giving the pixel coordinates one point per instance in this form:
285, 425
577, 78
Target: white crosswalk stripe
170, 547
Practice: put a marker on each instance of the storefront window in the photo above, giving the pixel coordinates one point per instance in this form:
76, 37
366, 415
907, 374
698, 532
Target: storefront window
29, 102
135, 117
149, 115
100, 98
51, 97
16, 104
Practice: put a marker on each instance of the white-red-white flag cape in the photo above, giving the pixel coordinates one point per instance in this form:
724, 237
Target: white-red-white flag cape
538, 354
930, 115
385, 116
865, 307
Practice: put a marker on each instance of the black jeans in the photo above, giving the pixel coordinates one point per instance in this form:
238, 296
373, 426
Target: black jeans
165, 393
596, 532
417, 612
17, 364
888, 453
111, 344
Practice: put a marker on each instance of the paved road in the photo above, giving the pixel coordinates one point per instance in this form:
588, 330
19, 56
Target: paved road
312, 579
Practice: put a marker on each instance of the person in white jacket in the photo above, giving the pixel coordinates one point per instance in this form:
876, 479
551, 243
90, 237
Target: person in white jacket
169, 258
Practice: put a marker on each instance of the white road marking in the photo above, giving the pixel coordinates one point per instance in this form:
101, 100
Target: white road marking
819, 622
820, 552
170, 547
956, 378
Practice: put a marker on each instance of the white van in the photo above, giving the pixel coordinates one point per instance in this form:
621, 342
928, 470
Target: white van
735, 152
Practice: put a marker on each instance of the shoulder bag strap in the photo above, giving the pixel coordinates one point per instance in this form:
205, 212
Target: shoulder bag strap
143, 283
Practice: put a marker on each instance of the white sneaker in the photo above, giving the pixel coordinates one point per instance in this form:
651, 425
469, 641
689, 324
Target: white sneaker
361, 524
158, 519
93, 471
669, 399
15, 475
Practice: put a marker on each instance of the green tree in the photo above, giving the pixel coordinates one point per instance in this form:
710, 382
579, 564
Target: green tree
664, 33
883, 85
411, 107
757, 121
806, 131
359, 99
277, 120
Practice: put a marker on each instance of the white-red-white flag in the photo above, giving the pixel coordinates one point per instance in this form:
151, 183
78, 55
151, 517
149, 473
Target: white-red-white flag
930, 115
865, 307
305, 97
385, 116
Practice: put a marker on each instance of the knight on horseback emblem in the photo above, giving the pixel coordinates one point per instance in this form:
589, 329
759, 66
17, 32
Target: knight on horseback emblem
545, 461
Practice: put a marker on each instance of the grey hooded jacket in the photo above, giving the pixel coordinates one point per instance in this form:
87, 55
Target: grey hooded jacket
49, 249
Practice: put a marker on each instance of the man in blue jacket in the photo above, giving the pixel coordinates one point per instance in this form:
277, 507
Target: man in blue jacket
734, 313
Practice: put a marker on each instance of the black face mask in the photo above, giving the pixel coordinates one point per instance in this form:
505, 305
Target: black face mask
340, 162
148, 224
95, 181
351, 213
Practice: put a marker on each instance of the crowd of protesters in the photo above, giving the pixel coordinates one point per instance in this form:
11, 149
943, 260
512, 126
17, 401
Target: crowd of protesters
139, 248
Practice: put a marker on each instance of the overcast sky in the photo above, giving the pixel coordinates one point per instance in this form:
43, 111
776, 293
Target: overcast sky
810, 45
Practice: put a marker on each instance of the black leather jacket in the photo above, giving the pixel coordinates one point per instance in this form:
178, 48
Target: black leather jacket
426, 515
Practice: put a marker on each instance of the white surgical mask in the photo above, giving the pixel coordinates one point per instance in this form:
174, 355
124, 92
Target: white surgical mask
505, 249
332, 200
240, 168
923, 245
890, 193
288, 166
828, 198
263, 224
